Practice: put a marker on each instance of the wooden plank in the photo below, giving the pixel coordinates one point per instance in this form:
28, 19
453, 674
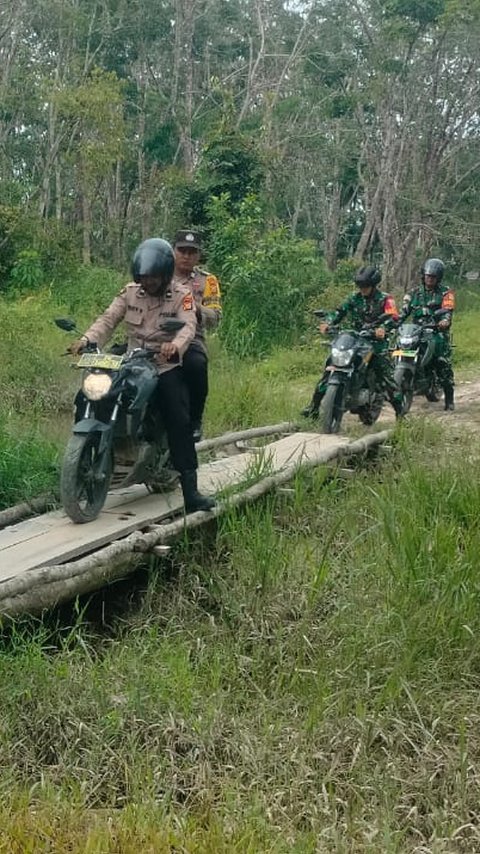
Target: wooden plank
53, 539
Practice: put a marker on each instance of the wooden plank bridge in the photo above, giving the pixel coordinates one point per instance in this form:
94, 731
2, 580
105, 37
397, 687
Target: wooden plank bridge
47, 559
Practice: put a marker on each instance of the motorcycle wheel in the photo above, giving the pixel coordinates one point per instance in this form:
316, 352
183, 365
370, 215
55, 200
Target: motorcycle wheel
369, 414
331, 411
434, 391
82, 491
404, 382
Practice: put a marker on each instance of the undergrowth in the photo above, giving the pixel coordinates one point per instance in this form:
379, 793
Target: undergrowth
303, 677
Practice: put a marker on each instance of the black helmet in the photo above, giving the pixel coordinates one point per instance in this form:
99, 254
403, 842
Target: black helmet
433, 267
368, 276
154, 257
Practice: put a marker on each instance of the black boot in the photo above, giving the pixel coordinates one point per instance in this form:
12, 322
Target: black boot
449, 403
311, 411
194, 500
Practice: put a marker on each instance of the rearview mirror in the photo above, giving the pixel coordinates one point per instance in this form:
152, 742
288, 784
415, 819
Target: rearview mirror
65, 323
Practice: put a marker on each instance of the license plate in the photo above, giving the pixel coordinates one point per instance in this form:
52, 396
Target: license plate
105, 361
410, 354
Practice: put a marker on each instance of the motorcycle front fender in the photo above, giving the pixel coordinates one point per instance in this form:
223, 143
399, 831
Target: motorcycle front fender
92, 425
338, 376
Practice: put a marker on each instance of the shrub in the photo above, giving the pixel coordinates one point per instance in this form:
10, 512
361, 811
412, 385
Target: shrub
267, 275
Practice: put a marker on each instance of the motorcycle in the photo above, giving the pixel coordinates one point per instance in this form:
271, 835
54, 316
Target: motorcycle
352, 384
118, 438
413, 357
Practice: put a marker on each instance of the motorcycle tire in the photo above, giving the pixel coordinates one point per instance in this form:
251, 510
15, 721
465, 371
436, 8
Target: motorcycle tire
434, 391
369, 414
404, 382
331, 411
82, 492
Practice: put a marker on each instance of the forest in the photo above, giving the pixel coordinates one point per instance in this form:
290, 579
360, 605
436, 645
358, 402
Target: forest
350, 124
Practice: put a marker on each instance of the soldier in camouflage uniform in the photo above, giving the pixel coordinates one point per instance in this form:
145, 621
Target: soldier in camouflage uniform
365, 306
423, 301
206, 293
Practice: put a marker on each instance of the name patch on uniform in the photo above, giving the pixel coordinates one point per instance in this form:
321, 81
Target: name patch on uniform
187, 302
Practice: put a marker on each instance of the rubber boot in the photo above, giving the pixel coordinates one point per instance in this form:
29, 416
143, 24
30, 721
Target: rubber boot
449, 402
311, 411
193, 499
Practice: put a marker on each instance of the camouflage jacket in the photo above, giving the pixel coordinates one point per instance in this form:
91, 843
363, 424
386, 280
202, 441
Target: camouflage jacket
422, 298
363, 310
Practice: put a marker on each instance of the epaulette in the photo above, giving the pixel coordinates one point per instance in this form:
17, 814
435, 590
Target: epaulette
202, 272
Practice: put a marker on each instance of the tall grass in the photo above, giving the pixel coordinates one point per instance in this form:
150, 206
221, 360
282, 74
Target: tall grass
304, 678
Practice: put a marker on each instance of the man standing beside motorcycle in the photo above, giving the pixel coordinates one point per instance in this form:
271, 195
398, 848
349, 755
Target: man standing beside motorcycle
423, 301
206, 293
365, 306
144, 305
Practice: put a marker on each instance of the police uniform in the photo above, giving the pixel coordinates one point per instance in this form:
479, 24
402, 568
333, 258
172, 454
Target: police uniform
424, 300
206, 292
143, 315
361, 310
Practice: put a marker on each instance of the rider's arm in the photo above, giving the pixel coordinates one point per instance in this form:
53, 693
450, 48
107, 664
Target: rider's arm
339, 313
390, 308
102, 328
406, 307
448, 303
211, 307
186, 312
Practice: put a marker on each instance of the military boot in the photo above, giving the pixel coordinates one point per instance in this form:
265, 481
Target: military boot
311, 411
193, 499
449, 402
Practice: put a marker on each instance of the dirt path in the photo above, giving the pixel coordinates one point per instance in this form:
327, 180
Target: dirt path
467, 407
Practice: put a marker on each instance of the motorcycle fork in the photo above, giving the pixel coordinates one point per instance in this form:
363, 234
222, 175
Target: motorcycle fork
106, 438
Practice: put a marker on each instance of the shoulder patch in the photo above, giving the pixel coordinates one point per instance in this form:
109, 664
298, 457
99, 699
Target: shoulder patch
187, 302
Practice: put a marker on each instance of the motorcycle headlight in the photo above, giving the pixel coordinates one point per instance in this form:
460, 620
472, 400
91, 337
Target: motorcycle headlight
407, 342
341, 358
96, 386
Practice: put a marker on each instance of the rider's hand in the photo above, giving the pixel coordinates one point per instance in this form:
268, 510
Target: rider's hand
76, 347
324, 327
169, 349
443, 324
380, 333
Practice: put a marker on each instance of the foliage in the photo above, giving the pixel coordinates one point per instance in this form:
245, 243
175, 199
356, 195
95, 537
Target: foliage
28, 466
267, 276
329, 633
27, 272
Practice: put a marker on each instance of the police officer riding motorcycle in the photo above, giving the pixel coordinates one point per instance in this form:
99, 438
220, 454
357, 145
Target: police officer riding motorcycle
148, 306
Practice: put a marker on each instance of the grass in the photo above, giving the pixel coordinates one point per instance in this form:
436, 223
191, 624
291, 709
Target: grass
303, 677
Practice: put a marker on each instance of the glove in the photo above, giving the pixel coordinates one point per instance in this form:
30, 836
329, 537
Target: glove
443, 324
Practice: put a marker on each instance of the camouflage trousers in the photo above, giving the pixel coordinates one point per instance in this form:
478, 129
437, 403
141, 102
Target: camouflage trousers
443, 361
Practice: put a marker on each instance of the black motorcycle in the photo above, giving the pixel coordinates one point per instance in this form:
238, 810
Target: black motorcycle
352, 385
118, 438
413, 358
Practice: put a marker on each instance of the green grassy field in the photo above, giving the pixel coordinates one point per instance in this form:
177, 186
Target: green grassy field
302, 677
